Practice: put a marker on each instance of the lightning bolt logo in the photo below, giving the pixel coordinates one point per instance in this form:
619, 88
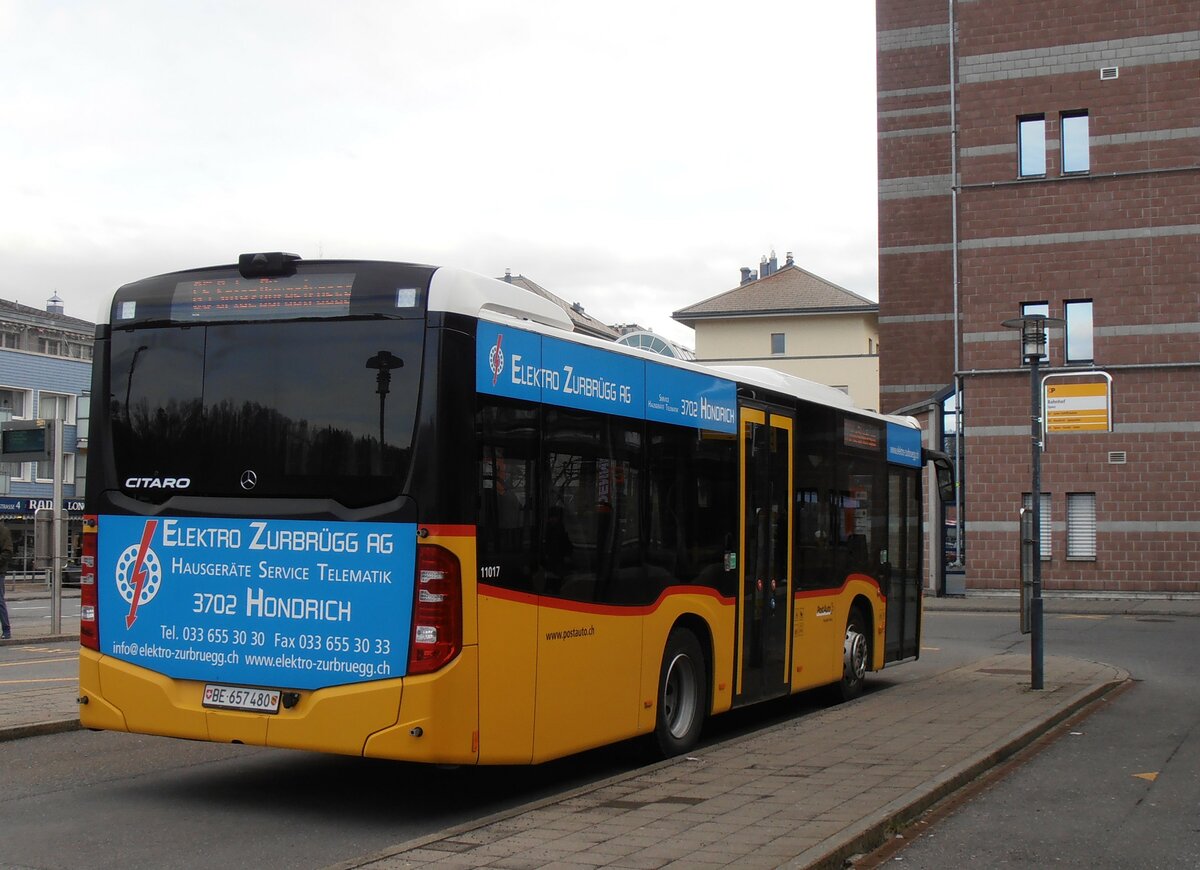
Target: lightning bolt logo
496, 359
139, 573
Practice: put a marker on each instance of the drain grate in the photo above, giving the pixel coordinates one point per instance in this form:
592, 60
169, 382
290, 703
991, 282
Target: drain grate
637, 805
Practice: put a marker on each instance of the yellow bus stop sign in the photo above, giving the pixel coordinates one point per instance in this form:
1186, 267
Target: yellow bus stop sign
1078, 407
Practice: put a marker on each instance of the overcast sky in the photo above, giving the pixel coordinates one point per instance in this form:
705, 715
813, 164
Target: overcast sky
630, 156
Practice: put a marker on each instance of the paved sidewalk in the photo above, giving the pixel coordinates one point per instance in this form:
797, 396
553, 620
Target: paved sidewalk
1068, 602
806, 793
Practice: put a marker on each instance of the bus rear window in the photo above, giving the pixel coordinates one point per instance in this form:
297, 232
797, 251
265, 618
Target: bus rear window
300, 409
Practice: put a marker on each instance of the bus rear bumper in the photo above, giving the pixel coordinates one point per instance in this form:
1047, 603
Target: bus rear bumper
427, 718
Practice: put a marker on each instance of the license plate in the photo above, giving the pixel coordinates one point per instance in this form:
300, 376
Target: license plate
241, 698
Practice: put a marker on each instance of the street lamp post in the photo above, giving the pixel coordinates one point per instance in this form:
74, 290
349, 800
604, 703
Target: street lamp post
1033, 346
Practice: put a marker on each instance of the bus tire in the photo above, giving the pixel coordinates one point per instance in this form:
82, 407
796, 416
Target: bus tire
856, 649
682, 694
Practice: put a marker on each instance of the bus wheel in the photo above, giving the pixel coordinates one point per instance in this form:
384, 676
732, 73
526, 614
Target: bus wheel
682, 694
854, 656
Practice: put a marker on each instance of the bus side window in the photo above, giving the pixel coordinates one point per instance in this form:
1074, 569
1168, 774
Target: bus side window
692, 520
508, 447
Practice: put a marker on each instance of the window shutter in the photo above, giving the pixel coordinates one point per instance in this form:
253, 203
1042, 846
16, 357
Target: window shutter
1047, 528
1081, 525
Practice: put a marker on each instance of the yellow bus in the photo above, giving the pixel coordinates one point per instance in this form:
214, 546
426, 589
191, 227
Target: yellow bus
403, 511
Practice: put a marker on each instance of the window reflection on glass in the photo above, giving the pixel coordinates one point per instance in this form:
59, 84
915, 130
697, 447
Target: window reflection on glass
776, 342
1075, 157
1079, 331
1031, 138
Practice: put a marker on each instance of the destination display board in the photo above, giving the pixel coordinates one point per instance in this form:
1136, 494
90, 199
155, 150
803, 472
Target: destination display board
237, 298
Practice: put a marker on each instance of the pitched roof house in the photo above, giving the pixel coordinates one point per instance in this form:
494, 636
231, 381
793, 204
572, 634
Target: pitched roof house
789, 319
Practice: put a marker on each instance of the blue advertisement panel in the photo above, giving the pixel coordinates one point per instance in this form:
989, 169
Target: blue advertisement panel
689, 398
593, 380
275, 603
903, 445
523, 365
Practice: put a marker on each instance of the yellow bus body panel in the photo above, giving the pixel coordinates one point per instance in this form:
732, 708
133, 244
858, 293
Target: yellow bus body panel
819, 628
97, 713
507, 677
588, 679
437, 718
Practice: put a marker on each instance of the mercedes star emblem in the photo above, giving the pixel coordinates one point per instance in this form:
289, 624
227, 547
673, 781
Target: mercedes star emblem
249, 479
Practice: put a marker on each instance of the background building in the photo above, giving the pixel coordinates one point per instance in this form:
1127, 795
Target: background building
1044, 157
793, 321
45, 372
581, 321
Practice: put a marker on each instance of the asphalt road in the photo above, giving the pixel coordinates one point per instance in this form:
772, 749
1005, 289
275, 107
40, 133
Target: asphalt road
1121, 789
33, 614
95, 800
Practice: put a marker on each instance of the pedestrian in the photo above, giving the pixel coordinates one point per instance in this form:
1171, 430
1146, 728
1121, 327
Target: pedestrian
6, 554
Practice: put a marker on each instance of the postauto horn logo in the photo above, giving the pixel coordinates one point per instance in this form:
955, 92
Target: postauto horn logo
139, 573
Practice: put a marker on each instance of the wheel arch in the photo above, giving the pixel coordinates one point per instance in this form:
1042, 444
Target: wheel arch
700, 629
863, 605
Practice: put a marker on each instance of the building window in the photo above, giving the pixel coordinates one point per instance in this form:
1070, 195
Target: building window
1079, 332
15, 402
50, 346
1042, 308
1074, 132
1031, 145
56, 406
1081, 526
1044, 521
776, 342
11, 340
45, 470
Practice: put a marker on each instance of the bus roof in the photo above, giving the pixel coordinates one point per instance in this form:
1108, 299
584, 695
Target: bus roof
462, 292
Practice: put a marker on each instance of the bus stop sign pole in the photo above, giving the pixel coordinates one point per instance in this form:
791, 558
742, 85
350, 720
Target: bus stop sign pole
1033, 345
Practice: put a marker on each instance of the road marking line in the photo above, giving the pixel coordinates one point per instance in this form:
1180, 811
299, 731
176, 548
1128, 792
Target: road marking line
46, 680
35, 662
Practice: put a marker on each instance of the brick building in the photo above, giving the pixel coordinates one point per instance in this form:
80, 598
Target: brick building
1044, 157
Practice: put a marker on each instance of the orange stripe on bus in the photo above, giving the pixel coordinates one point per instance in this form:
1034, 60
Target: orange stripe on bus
600, 609
821, 593
448, 531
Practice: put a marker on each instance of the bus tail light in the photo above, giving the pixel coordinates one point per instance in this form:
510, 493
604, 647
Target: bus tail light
89, 618
437, 610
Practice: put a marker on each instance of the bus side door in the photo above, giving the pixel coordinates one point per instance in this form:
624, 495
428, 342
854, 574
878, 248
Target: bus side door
765, 588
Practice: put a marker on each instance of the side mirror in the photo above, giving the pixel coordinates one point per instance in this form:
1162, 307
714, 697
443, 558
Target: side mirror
945, 473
